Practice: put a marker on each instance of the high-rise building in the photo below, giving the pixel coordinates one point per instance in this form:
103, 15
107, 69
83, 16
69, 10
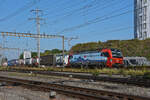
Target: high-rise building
141, 19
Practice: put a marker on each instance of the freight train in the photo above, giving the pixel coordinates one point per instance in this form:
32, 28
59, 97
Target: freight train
100, 58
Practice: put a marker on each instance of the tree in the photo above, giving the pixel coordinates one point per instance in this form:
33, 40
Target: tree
132, 47
21, 56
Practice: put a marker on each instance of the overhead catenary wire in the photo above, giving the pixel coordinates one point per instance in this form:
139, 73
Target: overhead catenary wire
56, 5
79, 12
18, 25
70, 13
63, 14
113, 30
21, 10
66, 13
98, 19
84, 9
59, 14
104, 6
118, 29
64, 8
92, 6
38, 36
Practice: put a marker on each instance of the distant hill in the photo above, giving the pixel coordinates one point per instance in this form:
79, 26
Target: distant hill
128, 47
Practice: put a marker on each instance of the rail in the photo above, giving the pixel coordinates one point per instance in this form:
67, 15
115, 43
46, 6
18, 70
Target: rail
136, 81
82, 93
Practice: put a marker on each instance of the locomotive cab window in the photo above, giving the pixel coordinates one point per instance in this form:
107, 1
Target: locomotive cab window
102, 54
70, 57
105, 54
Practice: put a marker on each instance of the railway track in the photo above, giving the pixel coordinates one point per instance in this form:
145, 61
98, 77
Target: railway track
123, 80
78, 92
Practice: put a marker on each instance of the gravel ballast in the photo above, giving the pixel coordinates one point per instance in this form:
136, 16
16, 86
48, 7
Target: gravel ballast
119, 88
20, 93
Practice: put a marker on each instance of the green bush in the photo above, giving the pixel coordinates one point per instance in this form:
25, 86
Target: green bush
95, 72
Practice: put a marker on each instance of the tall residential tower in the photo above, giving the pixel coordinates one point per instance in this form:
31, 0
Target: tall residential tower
141, 19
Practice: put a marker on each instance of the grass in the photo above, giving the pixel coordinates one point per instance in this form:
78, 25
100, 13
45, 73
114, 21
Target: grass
146, 75
109, 71
33, 75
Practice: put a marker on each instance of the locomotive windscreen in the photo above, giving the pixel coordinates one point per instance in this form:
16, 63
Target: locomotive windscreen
116, 53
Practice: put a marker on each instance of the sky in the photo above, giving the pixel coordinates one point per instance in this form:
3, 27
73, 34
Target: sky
89, 20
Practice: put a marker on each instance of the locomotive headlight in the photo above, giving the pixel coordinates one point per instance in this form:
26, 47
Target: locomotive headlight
110, 60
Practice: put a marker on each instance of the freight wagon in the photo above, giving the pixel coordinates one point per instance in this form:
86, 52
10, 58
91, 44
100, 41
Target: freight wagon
48, 60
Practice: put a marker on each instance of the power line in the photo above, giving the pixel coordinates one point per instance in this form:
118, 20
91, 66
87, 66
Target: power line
70, 13
23, 24
56, 5
119, 29
70, 6
104, 6
78, 10
28, 6
115, 30
98, 19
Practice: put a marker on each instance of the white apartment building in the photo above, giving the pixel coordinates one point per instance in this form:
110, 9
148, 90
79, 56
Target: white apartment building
141, 19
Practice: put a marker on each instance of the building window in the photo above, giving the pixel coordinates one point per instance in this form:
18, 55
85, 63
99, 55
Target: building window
144, 17
145, 1
140, 35
145, 10
144, 25
140, 19
140, 8
141, 3
141, 28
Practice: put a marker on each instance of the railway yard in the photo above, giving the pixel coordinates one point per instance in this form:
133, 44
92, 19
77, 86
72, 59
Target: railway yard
77, 50
71, 86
